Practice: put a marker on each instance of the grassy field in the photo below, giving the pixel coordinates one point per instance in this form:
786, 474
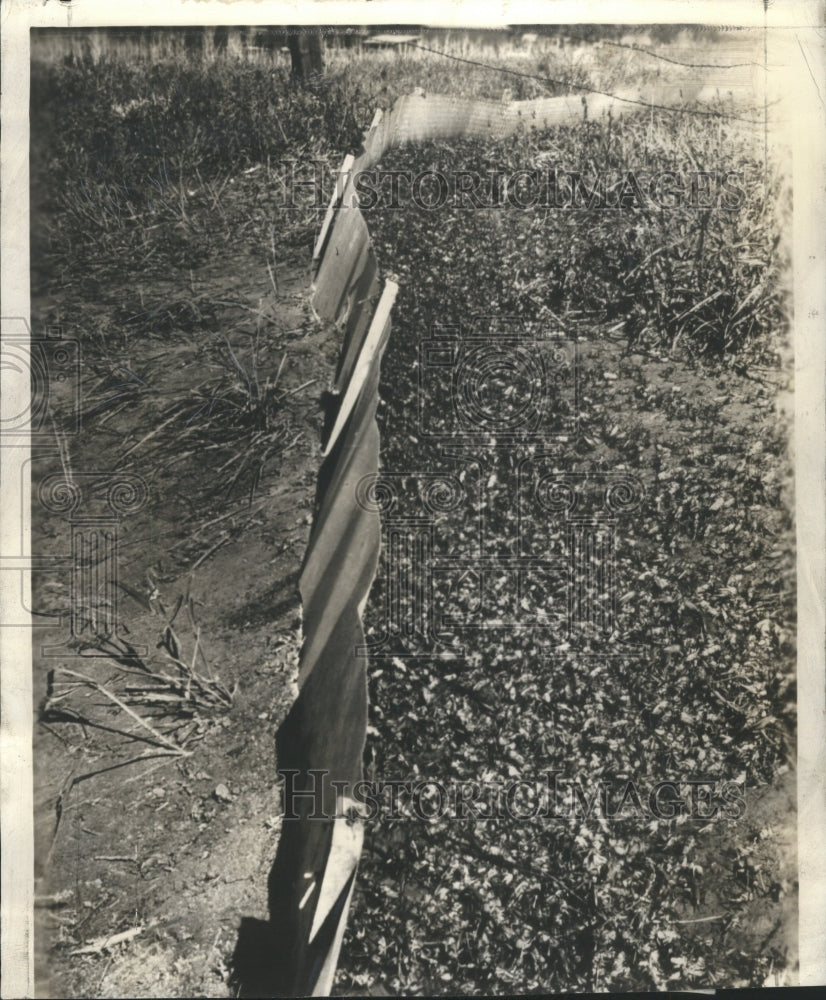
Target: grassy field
163, 240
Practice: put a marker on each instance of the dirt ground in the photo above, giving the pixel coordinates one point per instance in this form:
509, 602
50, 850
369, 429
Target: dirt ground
178, 846
173, 851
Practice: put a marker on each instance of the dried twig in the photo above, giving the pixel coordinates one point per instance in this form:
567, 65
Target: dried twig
159, 737
98, 945
221, 541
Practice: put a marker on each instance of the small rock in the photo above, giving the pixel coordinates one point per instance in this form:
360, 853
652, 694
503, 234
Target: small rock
222, 793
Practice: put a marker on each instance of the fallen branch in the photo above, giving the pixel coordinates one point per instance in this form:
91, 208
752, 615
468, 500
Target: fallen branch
158, 737
101, 944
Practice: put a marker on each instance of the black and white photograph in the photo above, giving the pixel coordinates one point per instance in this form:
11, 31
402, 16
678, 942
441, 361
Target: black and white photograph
413, 483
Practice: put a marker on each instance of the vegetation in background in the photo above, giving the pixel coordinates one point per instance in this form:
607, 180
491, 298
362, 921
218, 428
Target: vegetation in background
697, 267
147, 169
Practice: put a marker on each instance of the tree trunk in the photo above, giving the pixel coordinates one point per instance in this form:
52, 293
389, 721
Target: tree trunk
307, 55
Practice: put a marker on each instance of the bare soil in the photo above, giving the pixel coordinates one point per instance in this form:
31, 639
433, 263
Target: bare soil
177, 846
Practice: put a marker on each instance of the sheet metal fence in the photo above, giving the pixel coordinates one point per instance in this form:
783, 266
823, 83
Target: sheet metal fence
322, 739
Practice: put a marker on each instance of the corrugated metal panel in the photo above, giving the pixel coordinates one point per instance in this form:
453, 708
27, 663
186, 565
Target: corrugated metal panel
376, 140
311, 882
325, 732
365, 295
343, 552
369, 350
423, 117
335, 199
343, 261
312, 879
